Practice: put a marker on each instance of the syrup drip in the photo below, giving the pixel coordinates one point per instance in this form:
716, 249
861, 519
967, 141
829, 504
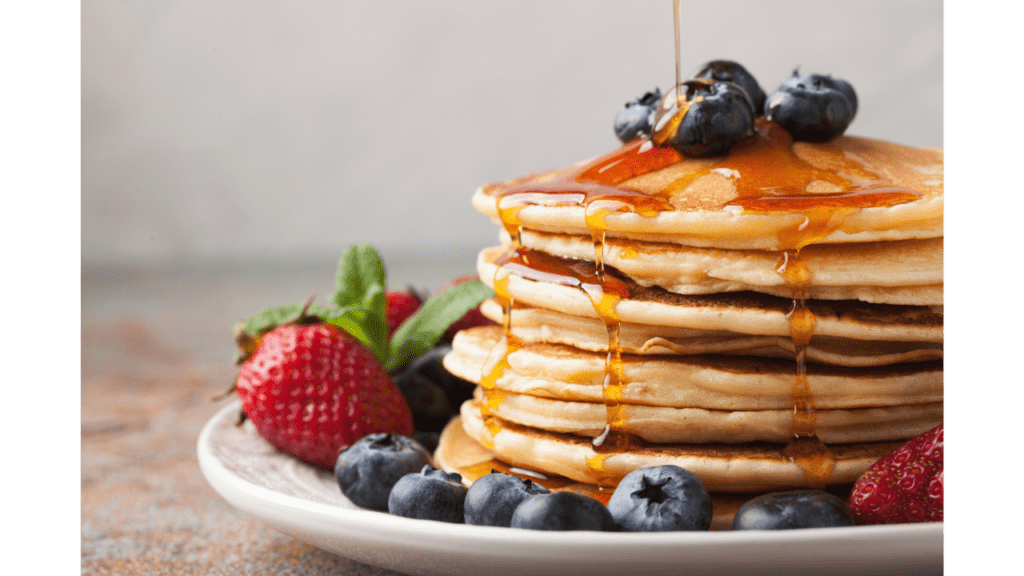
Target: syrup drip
605, 291
804, 448
497, 360
605, 478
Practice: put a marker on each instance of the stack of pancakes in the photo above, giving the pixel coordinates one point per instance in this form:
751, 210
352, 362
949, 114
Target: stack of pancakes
769, 319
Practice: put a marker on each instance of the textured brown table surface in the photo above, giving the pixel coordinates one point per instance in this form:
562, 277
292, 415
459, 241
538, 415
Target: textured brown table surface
156, 348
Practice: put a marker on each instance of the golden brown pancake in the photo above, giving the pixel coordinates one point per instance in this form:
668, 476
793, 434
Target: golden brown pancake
705, 381
702, 191
457, 452
540, 326
907, 272
668, 425
741, 312
751, 467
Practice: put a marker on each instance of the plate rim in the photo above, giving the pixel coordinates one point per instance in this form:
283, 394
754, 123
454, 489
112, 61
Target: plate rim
413, 532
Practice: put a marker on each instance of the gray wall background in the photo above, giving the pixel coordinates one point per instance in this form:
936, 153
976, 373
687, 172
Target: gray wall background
280, 129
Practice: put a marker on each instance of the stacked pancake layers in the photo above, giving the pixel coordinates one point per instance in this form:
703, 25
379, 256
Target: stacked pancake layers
768, 319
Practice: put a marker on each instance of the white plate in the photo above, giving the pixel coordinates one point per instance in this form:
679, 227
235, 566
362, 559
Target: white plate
307, 504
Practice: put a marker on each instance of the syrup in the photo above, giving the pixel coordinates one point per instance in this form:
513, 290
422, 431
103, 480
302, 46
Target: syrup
767, 174
604, 290
804, 448
606, 479
497, 361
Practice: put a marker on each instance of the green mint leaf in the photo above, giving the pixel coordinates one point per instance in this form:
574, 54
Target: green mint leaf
270, 318
363, 324
360, 294
361, 279
424, 328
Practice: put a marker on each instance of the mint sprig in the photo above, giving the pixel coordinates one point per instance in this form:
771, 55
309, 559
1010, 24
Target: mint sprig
360, 294
424, 328
358, 305
361, 279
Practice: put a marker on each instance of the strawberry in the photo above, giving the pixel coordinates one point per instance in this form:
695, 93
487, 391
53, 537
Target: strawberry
905, 486
401, 305
315, 378
313, 390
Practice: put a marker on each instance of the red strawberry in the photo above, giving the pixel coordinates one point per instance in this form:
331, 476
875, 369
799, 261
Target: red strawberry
312, 390
401, 305
314, 377
905, 486
470, 319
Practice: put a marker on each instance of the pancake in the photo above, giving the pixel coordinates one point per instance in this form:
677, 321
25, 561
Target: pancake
705, 203
726, 315
540, 326
751, 467
457, 452
740, 312
902, 272
665, 425
706, 381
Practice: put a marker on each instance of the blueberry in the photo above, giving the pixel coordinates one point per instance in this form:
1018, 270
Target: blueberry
635, 117
813, 108
797, 509
430, 494
493, 498
717, 115
563, 511
729, 71
432, 392
368, 469
661, 499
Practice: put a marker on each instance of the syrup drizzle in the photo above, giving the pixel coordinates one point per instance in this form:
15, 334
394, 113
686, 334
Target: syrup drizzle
497, 361
804, 448
604, 291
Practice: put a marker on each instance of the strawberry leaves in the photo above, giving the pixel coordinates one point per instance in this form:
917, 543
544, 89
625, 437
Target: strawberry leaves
358, 305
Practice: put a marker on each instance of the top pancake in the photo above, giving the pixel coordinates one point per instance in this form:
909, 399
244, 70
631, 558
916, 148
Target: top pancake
704, 196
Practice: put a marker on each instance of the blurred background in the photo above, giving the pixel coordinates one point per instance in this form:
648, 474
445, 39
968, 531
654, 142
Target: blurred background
284, 131
232, 150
